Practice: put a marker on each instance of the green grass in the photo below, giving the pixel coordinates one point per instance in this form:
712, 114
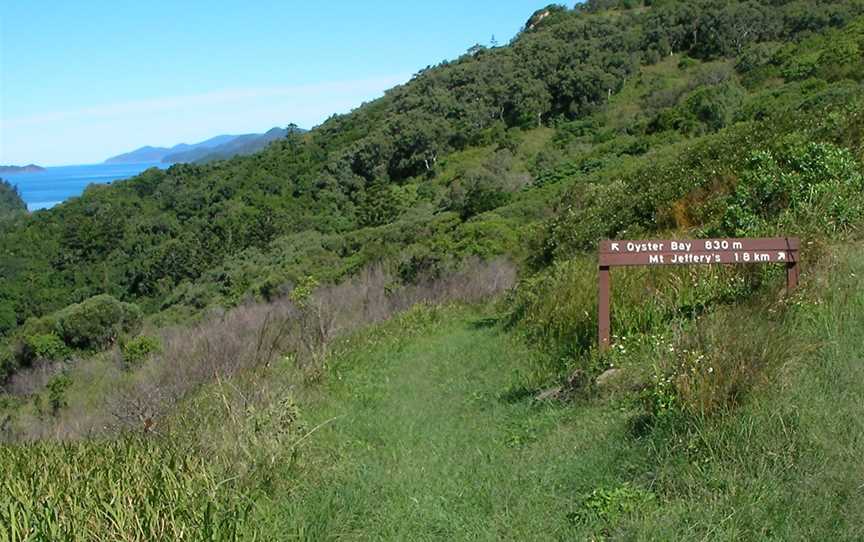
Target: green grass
787, 466
426, 429
130, 490
437, 438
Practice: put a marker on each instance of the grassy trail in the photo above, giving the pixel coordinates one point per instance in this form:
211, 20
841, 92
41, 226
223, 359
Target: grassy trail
426, 431
435, 441
433, 436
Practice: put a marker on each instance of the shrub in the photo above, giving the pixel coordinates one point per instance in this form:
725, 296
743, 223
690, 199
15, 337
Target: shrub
686, 62
800, 68
45, 346
97, 322
755, 56
57, 392
140, 348
714, 106
476, 195
38, 326
841, 59
7, 364
419, 262
8, 320
381, 205
593, 211
809, 185
302, 292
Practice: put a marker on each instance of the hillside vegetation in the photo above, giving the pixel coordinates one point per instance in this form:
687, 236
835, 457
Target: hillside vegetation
336, 324
10, 199
451, 163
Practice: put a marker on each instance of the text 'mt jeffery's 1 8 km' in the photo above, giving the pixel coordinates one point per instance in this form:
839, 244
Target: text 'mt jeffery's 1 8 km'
782, 250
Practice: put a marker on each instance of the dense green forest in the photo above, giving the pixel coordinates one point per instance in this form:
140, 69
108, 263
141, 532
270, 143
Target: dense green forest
334, 337
10, 199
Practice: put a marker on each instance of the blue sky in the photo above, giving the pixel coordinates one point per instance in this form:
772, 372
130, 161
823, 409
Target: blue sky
82, 81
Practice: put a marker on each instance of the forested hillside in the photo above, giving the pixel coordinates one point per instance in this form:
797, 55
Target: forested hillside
10, 199
231, 319
417, 175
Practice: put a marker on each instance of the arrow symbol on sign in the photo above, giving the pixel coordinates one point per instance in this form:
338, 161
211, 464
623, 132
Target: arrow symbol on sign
781, 256
615, 247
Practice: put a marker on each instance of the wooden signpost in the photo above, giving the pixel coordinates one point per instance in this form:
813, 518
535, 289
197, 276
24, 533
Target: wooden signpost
780, 250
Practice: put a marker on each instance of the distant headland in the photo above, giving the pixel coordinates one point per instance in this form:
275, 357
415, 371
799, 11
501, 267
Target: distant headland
29, 168
216, 148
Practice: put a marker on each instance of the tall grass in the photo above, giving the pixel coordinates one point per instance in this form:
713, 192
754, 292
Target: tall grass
220, 454
125, 490
785, 464
249, 337
694, 340
557, 308
710, 365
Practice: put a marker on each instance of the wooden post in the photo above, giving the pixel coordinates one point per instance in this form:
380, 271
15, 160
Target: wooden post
603, 311
792, 271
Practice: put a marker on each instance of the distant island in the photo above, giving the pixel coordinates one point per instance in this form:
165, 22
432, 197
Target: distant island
216, 148
29, 168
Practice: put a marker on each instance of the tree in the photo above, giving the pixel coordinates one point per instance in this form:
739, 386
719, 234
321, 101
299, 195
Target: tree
294, 136
8, 320
10, 199
380, 205
96, 322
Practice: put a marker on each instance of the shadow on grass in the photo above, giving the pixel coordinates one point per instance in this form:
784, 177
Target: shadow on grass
641, 425
517, 394
485, 323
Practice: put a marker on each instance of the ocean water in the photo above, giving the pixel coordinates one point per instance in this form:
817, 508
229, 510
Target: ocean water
45, 189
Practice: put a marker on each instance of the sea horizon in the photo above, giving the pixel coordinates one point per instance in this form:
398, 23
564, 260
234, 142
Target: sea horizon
45, 189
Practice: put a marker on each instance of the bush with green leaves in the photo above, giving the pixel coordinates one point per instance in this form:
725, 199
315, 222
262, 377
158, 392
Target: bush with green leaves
707, 109
8, 320
476, 195
57, 392
798, 184
8, 363
713, 106
302, 292
47, 346
591, 211
97, 322
137, 350
10, 199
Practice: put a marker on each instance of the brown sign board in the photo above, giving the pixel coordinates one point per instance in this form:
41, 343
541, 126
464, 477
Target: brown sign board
778, 250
